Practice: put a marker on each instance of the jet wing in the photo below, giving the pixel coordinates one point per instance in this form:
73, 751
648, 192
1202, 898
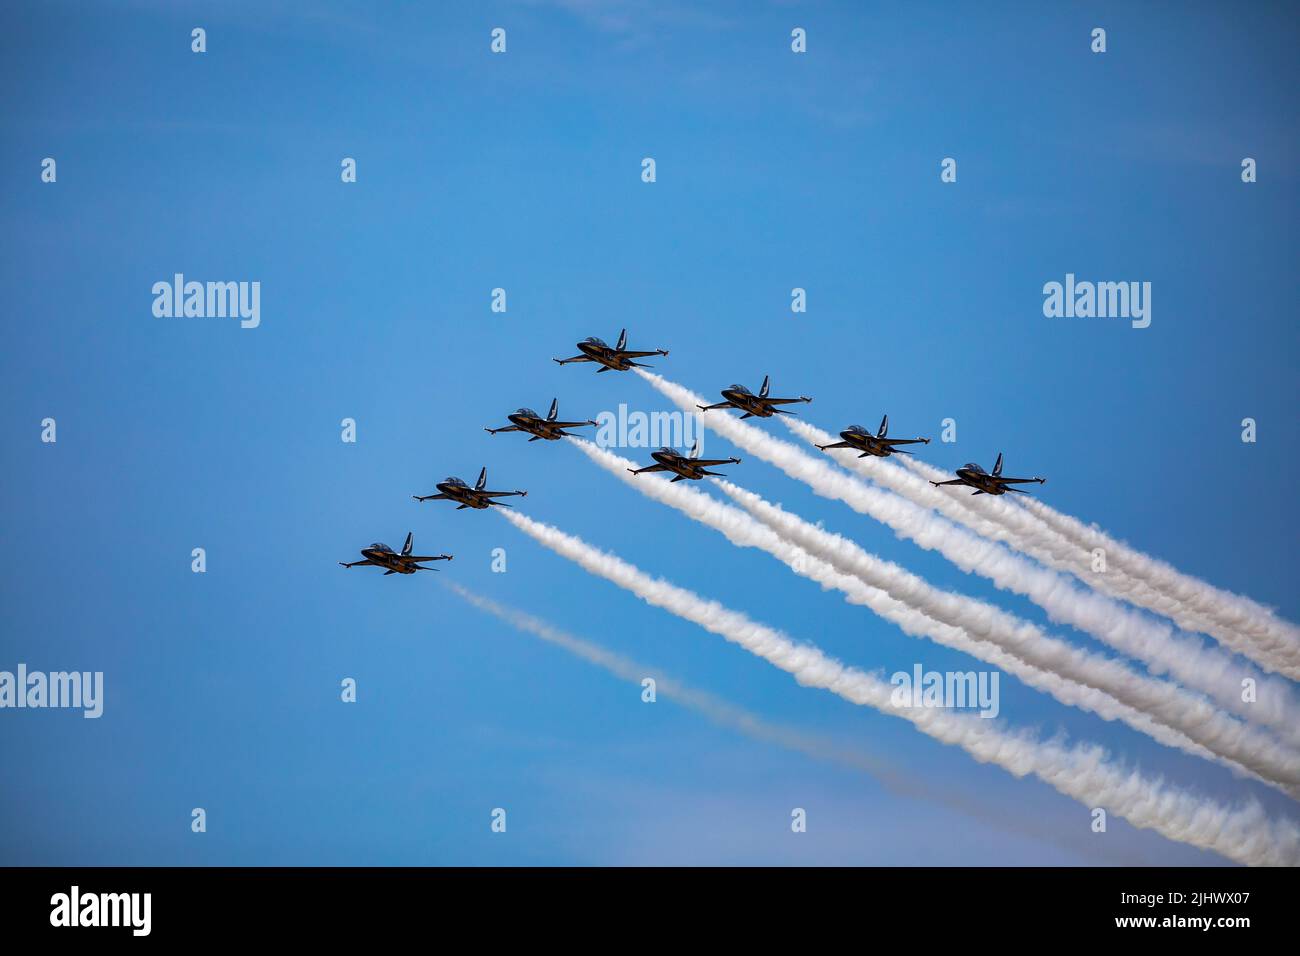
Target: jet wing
1021, 481
500, 494
709, 462
570, 424
428, 557
576, 358
642, 471
784, 401
629, 354
904, 441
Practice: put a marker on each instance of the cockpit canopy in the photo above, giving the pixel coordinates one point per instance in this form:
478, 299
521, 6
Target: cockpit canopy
670, 452
592, 340
380, 546
453, 480
971, 466
858, 430
526, 413
741, 389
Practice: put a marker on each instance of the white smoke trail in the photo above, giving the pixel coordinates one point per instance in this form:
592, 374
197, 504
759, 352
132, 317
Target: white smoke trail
1008, 522
1125, 630
1073, 676
1271, 641
1244, 833
726, 714
1182, 656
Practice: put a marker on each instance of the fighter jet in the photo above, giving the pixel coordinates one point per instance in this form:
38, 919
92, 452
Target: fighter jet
619, 358
737, 396
985, 484
684, 466
879, 444
527, 420
382, 556
453, 489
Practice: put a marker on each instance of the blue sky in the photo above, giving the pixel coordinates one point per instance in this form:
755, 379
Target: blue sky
522, 171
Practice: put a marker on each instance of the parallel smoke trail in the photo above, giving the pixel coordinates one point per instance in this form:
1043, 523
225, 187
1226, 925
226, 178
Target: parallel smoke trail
1125, 630
1108, 688
1065, 544
1183, 656
1244, 834
728, 715
1228, 617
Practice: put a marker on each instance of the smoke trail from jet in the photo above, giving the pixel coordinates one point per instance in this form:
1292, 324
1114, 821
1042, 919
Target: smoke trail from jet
727, 715
1243, 833
1039, 537
1271, 641
1162, 710
1125, 630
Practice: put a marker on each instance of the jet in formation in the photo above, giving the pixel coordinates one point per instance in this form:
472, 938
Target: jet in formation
382, 556
684, 466
879, 445
453, 489
760, 405
527, 420
974, 476
619, 358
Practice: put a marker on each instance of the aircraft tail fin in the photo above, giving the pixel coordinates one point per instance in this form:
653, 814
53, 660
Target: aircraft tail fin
695, 449
762, 392
410, 540
884, 427
555, 410
622, 341
482, 480
997, 466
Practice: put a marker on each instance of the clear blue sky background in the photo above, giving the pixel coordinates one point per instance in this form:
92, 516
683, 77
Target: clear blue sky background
523, 171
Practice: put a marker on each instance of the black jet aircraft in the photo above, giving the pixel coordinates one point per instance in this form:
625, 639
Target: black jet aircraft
382, 556
760, 405
619, 358
985, 484
880, 444
453, 489
527, 420
684, 466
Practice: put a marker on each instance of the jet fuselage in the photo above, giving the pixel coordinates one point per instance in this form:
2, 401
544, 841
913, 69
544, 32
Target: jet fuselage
982, 480
605, 355
747, 401
463, 494
537, 426
388, 559
867, 443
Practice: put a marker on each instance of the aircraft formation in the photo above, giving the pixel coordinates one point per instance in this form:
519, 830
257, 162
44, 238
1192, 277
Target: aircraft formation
620, 358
